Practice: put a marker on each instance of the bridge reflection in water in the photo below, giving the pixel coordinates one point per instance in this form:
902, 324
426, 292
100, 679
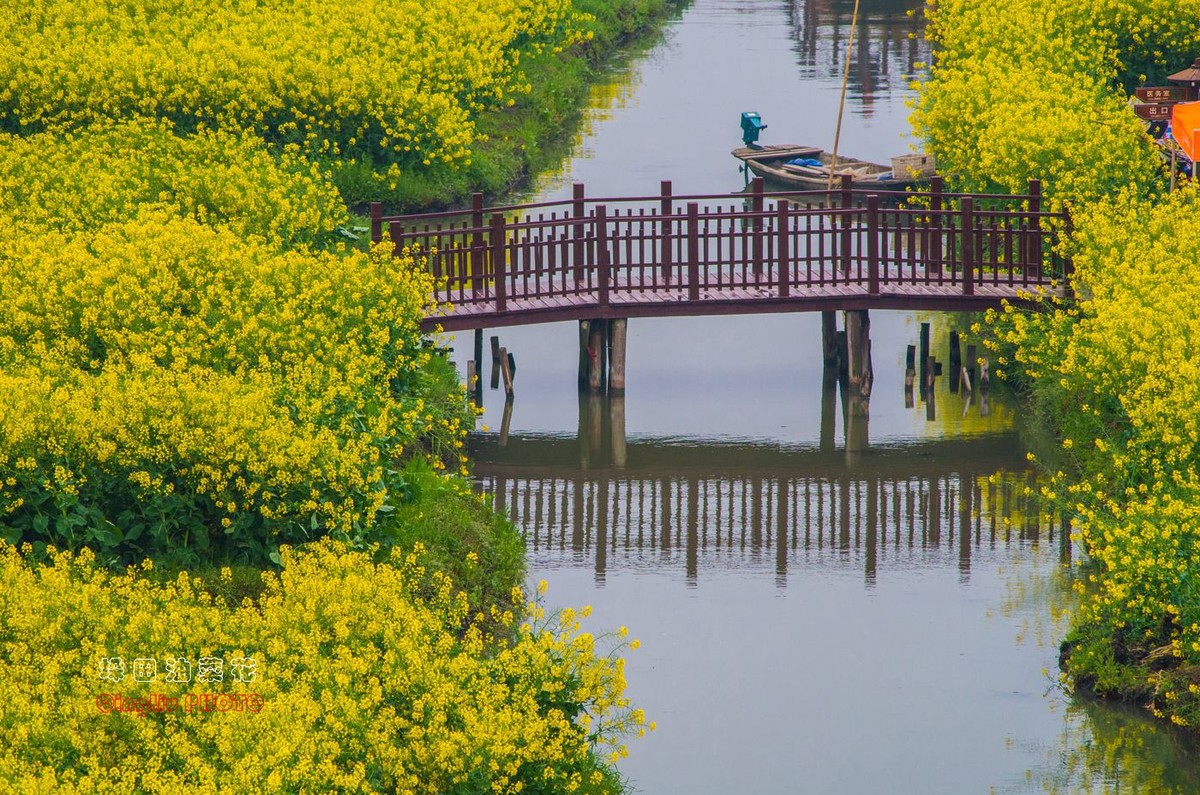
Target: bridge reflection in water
599, 499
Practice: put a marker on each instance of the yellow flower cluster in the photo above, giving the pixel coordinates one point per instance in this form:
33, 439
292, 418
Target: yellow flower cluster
178, 371
351, 676
392, 80
1119, 369
74, 181
1033, 92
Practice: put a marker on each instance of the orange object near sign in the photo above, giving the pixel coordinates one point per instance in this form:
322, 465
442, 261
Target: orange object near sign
1185, 128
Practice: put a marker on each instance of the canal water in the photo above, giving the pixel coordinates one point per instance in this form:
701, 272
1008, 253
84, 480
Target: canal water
830, 599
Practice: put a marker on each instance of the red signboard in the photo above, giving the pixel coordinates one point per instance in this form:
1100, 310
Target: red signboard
1161, 112
1162, 93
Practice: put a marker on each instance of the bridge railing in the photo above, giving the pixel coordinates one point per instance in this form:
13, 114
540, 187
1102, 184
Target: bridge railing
753, 244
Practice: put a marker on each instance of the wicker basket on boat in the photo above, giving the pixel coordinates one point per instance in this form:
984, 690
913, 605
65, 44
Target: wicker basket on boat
914, 165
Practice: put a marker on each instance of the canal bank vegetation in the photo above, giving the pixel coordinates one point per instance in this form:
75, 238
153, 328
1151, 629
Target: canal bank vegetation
204, 377
1037, 89
408, 102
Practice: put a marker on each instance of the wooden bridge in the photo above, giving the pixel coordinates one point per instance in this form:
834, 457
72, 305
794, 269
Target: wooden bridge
667, 255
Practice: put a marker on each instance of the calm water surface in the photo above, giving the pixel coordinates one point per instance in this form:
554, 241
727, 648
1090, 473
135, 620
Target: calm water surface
828, 601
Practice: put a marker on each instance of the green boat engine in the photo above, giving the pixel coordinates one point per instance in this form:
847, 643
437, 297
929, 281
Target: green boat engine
752, 125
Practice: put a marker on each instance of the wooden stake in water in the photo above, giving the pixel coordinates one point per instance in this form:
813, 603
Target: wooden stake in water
842, 104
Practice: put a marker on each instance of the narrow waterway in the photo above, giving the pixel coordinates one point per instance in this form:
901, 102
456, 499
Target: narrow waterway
828, 600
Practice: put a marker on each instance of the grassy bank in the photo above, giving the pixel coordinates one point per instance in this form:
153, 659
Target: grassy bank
201, 380
1037, 89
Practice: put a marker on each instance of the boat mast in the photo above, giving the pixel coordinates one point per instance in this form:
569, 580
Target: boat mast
842, 104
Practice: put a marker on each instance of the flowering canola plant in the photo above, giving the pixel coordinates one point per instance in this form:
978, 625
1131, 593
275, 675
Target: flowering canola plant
355, 676
392, 81
193, 368
1117, 367
180, 373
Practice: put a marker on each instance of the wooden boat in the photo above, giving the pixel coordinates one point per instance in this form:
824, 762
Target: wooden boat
807, 168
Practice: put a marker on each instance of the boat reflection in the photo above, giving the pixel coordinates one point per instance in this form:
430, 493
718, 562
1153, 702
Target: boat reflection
889, 45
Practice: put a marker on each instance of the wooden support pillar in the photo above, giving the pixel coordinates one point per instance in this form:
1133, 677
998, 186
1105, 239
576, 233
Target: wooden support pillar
506, 372
597, 345
617, 332
495, 380
843, 357
858, 349
477, 387
585, 335
829, 340
955, 361
971, 365
923, 356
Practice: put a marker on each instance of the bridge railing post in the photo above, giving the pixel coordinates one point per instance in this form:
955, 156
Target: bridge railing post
1068, 267
1033, 260
873, 244
756, 226
693, 251
376, 222
499, 266
396, 233
783, 237
666, 230
477, 259
578, 212
846, 205
935, 224
968, 245
603, 258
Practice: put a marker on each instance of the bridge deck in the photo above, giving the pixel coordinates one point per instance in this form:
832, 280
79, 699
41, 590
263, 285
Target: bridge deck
629, 297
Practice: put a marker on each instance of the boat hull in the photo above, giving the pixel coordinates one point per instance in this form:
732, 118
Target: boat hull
772, 164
